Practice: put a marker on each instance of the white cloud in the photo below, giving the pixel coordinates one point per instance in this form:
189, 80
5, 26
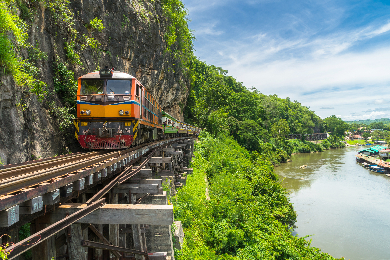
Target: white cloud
372, 115
385, 28
208, 29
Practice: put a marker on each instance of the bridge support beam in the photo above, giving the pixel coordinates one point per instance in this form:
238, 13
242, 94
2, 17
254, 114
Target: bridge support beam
120, 214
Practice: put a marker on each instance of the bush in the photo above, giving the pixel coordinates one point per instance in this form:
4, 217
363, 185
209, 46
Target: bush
248, 215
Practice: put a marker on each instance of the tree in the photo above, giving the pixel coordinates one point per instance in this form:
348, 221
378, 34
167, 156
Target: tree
366, 135
336, 126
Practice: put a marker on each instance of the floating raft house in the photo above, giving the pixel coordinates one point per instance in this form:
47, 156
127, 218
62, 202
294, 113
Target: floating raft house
372, 150
374, 164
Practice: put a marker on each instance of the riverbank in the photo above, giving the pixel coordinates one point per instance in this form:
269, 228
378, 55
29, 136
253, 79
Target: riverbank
247, 215
303, 146
340, 205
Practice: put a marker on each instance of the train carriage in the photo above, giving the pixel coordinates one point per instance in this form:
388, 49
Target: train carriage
114, 110
169, 123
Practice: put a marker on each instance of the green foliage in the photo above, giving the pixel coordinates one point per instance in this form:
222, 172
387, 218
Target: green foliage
359, 142
336, 141
3, 254
23, 71
258, 122
179, 38
367, 122
64, 84
71, 53
336, 126
66, 88
24, 232
248, 215
303, 146
97, 24
64, 116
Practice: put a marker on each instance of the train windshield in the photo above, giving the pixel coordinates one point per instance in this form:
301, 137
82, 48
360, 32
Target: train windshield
118, 87
92, 86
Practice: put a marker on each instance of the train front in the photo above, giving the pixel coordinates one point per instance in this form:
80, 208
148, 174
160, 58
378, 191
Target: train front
107, 110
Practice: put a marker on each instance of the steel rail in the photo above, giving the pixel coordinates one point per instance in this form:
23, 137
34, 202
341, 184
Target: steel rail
23, 169
31, 241
108, 187
27, 163
52, 169
38, 177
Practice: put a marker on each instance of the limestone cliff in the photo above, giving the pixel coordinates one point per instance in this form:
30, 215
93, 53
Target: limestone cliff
131, 39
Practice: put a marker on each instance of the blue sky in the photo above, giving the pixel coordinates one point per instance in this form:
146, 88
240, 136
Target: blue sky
332, 56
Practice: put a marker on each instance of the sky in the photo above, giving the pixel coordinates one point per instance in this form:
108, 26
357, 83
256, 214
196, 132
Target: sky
331, 56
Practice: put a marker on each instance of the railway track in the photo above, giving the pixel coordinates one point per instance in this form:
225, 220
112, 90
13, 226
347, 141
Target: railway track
15, 178
21, 185
46, 174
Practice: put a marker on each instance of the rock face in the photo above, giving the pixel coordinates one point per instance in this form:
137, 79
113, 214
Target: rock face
132, 41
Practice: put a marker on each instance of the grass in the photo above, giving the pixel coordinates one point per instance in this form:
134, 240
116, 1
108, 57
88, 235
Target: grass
361, 142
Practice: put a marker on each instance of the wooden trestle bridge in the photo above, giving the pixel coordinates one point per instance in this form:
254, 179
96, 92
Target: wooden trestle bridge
95, 205
309, 137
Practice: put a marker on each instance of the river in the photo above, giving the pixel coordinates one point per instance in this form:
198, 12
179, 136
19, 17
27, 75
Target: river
343, 206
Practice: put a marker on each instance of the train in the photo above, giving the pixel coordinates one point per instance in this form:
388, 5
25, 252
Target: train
115, 111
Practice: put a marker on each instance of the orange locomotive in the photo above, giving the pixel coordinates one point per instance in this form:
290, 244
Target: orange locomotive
115, 111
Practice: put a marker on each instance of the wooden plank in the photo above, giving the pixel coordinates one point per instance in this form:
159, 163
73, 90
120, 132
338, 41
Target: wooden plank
9, 216
103, 239
97, 176
137, 188
79, 184
145, 173
89, 180
146, 181
119, 214
31, 206
104, 173
66, 191
51, 198
158, 256
160, 160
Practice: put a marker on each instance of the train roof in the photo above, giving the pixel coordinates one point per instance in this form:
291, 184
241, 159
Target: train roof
115, 75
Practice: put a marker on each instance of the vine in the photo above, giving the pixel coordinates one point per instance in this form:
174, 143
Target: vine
13, 37
179, 38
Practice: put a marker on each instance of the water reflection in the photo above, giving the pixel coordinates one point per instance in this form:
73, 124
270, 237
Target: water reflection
343, 205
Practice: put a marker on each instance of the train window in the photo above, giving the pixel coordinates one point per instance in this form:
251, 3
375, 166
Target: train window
91, 86
119, 87
137, 90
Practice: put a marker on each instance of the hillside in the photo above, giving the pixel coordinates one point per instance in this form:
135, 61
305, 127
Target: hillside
370, 121
46, 45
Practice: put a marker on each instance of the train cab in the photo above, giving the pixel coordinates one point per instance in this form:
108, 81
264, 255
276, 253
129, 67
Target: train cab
115, 111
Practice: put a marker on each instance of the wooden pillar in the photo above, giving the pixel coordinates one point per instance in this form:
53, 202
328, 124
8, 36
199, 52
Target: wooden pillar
137, 239
122, 236
46, 250
114, 228
75, 250
99, 252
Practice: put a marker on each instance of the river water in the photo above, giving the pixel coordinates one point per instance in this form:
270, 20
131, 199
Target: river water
343, 206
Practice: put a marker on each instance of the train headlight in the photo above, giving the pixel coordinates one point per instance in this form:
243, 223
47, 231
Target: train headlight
121, 112
126, 112
82, 112
88, 112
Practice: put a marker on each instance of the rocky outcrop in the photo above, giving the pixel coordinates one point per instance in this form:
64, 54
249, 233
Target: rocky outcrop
132, 41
